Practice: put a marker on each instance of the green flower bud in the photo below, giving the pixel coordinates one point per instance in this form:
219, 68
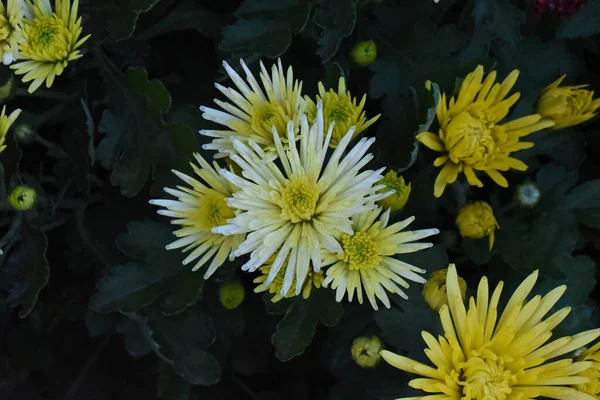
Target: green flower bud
364, 53
25, 133
231, 294
365, 351
22, 198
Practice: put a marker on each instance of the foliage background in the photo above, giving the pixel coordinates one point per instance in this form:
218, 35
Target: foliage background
112, 127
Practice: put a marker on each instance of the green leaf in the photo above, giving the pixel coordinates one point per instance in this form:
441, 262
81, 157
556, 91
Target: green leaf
337, 19
99, 324
262, 37
584, 200
172, 386
583, 23
187, 15
123, 15
30, 260
135, 133
501, 18
136, 344
580, 278
295, 13
565, 147
182, 341
295, 331
554, 182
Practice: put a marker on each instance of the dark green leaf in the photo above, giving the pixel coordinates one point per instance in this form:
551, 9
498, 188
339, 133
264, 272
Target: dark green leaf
262, 37
99, 324
30, 260
295, 331
182, 341
295, 13
583, 23
172, 386
586, 195
337, 19
554, 182
123, 15
580, 278
135, 134
501, 18
136, 343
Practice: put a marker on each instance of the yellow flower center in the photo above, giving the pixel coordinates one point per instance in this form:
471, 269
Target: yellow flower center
469, 140
212, 211
486, 379
338, 109
265, 115
299, 199
360, 251
49, 40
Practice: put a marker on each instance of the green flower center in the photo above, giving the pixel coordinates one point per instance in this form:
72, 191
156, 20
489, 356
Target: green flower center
299, 199
360, 251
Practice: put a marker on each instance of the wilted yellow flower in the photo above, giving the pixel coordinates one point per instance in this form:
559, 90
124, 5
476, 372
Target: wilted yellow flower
199, 208
434, 290
485, 357
231, 294
477, 220
253, 112
398, 199
366, 351
593, 373
567, 105
364, 53
471, 137
341, 109
312, 279
11, 16
367, 258
5, 123
49, 40
22, 198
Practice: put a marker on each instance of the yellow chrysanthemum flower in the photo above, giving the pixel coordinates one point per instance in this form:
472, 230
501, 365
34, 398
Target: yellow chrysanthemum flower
198, 209
367, 259
470, 135
312, 279
483, 357
398, 199
341, 109
567, 105
11, 16
366, 351
296, 207
434, 290
252, 113
476, 220
5, 123
593, 373
49, 40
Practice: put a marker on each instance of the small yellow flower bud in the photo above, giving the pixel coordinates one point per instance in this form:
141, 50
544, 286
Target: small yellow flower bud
528, 194
22, 198
364, 53
231, 294
477, 220
397, 200
365, 351
434, 290
567, 105
25, 133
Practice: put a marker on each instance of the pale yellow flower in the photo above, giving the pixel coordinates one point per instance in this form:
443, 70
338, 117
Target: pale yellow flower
341, 109
477, 220
592, 387
5, 123
11, 16
487, 355
199, 208
567, 105
434, 290
398, 199
49, 40
471, 137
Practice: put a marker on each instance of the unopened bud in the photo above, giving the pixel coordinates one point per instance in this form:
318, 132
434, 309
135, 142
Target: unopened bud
231, 294
22, 198
365, 351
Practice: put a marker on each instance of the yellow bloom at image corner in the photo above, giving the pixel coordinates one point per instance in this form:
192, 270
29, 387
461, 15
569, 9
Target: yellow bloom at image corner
567, 105
471, 137
252, 112
368, 261
312, 279
5, 123
200, 207
593, 373
49, 40
11, 16
484, 354
434, 290
341, 109
477, 220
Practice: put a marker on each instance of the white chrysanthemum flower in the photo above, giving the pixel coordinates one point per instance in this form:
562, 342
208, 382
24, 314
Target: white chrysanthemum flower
198, 209
367, 261
296, 211
252, 113
528, 194
11, 16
